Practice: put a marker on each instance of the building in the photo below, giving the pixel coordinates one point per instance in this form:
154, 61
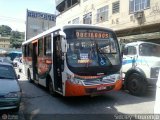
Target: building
37, 22
131, 19
4, 42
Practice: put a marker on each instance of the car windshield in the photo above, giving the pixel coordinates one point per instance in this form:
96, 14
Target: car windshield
7, 72
16, 59
5, 59
147, 49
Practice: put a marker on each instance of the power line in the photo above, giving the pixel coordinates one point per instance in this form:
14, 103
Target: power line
12, 19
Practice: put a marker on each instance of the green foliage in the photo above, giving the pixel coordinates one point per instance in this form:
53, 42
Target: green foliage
16, 39
5, 30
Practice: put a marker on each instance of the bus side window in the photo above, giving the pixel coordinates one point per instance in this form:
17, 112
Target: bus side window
57, 46
47, 45
40, 47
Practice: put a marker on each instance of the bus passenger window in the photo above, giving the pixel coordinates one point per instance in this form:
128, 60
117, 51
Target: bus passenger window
40, 47
47, 46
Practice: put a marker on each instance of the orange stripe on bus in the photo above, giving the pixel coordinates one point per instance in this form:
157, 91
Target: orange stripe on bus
48, 61
74, 89
34, 41
118, 85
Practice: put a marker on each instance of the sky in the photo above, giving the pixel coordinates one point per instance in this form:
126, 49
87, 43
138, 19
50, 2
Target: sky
13, 12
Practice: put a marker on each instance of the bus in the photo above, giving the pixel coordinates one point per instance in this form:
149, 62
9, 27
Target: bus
74, 60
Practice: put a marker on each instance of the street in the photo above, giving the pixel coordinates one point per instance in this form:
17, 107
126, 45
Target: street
38, 104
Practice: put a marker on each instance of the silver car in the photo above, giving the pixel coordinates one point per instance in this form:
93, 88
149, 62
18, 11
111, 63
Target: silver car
10, 91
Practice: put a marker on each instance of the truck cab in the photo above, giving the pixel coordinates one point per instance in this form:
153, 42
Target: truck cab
140, 67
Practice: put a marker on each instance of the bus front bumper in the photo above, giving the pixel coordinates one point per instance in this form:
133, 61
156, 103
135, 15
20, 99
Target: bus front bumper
81, 90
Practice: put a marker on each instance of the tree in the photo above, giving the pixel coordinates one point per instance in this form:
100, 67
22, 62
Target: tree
5, 30
16, 39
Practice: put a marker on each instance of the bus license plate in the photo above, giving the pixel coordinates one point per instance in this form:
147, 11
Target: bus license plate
101, 88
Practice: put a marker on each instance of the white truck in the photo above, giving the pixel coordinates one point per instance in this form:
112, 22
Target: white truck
140, 67
157, 100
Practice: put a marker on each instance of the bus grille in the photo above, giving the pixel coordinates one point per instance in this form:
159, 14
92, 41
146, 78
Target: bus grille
98, 82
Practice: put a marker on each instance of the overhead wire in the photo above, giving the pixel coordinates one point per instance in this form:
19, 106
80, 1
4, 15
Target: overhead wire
12, 19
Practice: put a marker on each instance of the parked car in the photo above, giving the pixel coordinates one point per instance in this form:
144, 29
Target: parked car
141, 64
15, 62
10, 91
6, 60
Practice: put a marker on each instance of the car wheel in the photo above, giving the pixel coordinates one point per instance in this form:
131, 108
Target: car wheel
136, 84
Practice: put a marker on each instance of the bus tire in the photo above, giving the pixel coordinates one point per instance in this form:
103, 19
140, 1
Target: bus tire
136, 84
50, 87
29, 77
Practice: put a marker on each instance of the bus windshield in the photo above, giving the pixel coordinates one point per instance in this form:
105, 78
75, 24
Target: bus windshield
147, 49
85, 53
92, 48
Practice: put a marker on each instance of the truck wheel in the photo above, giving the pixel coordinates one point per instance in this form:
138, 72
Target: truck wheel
136, 84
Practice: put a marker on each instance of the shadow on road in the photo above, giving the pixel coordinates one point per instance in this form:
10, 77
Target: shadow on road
122, 96
36, 98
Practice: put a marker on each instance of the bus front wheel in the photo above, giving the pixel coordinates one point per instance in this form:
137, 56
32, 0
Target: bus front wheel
136, 84
50, 88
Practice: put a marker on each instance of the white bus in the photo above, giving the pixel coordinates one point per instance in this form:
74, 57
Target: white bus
74, 60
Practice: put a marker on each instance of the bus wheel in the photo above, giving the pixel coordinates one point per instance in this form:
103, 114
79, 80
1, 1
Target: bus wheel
50, 88
29, 77
136, 84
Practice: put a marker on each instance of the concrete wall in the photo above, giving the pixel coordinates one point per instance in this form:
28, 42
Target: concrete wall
125, 19
4, 42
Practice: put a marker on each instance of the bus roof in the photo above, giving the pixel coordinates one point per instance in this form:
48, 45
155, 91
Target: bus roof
55, 28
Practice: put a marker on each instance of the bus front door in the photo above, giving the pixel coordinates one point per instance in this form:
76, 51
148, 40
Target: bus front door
34, 58
57, 62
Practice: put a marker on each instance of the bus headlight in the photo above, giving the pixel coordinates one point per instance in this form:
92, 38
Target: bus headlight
74, 80
77, 81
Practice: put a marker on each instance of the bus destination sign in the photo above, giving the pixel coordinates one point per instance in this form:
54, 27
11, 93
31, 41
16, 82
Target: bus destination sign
100, 35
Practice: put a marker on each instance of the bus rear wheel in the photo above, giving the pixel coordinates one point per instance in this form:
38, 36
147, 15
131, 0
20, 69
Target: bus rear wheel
29, 77
136, 84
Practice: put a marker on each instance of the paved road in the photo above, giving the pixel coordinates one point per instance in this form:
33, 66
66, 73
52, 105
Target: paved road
38, 104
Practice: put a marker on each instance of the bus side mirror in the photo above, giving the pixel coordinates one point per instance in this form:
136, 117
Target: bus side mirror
64, 45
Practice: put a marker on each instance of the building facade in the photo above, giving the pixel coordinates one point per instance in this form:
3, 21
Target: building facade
131, 19
37, 22
4, 42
